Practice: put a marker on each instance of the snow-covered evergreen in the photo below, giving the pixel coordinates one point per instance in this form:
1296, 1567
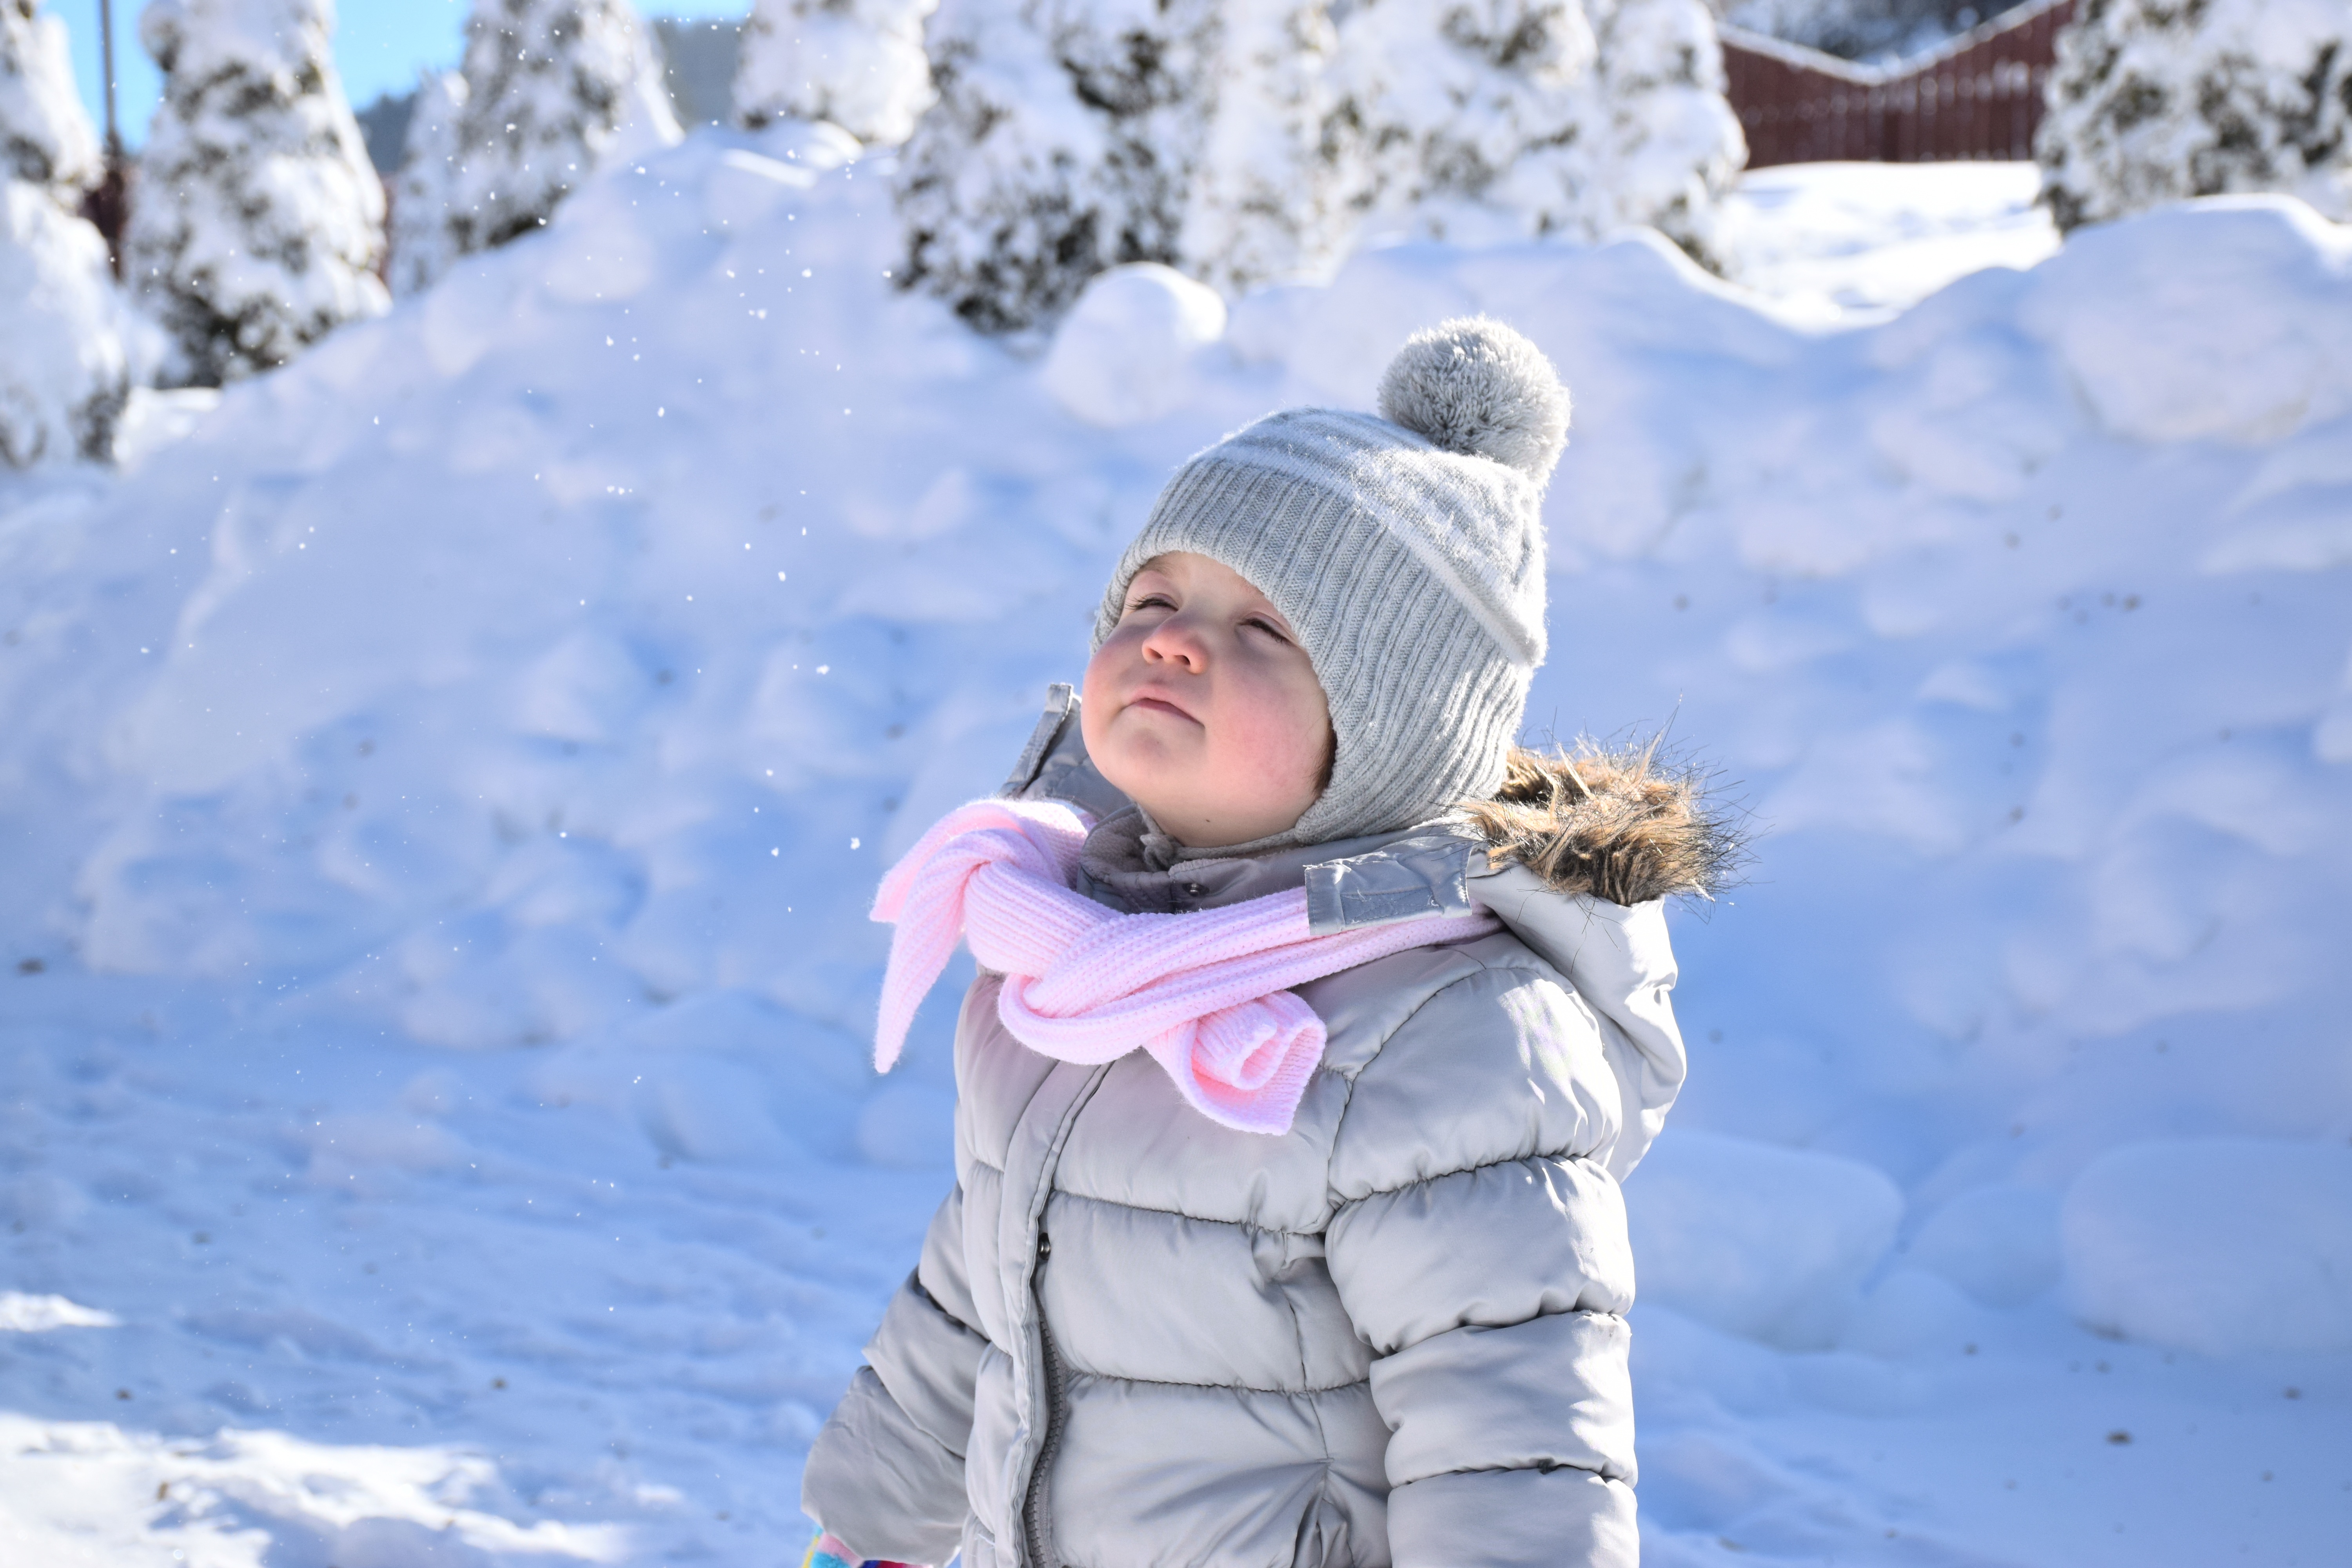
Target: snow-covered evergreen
421, 235
857, 63
45, 137
1265, 202
1474, 119
63, 372
259, 222
2157, 100
1466, 119
553, 87
1063, 143
1246, 140
1670, 144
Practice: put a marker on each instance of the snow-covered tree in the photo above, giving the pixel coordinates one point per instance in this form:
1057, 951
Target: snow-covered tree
857, 63
45, 137
2157, 100
1265, 201
1463, 116
63, 374
1064, 142
422, 243
1671, 145
259, 222
552, 88
1472, 119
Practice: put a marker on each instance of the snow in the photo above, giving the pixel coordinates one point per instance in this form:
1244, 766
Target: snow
24, 1314
2150, 102
1468, 123
45, 137
65, 365
1265, 203
1769, 1243
445, 779
2215, 1245
1123, 355
1536, 117
259, 222
551, 91
2261, 373
1839, 238
859, 65
1062, 143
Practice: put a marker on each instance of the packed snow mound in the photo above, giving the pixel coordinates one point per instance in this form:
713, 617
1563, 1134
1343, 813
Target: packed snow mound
2216, 1244
1123, 355
445, 788
1771, 1243
2158, 363
1998, 1242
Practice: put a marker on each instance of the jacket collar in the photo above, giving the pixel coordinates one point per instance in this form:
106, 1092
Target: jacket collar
1351, 882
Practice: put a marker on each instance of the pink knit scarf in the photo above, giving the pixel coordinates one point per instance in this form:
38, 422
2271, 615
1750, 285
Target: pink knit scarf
1206, 994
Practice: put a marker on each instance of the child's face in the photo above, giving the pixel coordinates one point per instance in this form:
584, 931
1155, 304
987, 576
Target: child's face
1203, 708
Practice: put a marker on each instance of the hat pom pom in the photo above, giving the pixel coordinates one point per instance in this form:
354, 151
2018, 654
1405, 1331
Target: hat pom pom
1473, 385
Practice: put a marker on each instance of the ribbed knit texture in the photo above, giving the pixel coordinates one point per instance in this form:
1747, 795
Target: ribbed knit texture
1413, 575
1205, 993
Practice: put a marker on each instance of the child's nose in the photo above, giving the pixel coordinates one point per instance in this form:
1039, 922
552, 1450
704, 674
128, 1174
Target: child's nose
1177, 641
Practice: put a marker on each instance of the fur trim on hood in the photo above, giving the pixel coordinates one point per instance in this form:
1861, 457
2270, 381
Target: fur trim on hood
1619, 825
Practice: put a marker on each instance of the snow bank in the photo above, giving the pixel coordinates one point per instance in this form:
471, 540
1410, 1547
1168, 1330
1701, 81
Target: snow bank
2216, 1244
1766, 1242
100, 1496
2131, 313
443, 790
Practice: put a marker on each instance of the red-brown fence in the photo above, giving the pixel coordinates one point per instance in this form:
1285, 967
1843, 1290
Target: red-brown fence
1979, 96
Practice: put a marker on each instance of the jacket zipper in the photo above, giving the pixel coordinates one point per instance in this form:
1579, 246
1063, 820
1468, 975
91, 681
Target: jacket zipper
1033, 1510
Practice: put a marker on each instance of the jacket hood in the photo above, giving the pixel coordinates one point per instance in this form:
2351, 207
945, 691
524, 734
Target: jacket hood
1619, 825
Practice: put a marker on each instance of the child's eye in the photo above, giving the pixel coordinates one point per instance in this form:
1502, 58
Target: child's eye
1150, 600
1268, 628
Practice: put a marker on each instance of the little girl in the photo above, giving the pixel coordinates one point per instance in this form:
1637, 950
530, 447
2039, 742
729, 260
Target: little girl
1316, 1025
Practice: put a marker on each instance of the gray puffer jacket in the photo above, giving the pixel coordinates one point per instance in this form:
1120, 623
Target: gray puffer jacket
1395, 1334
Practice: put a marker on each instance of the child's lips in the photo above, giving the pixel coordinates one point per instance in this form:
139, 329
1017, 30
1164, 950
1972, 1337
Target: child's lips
1161, 705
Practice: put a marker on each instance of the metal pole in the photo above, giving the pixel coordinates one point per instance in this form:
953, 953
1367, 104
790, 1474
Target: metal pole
106, 58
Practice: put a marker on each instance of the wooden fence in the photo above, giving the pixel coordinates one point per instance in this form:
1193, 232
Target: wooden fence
1979, 96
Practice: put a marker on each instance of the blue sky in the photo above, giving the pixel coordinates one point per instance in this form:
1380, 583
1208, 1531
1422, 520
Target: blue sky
380, 45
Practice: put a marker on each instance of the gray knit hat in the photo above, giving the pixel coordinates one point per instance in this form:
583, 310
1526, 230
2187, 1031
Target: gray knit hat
1407, 554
